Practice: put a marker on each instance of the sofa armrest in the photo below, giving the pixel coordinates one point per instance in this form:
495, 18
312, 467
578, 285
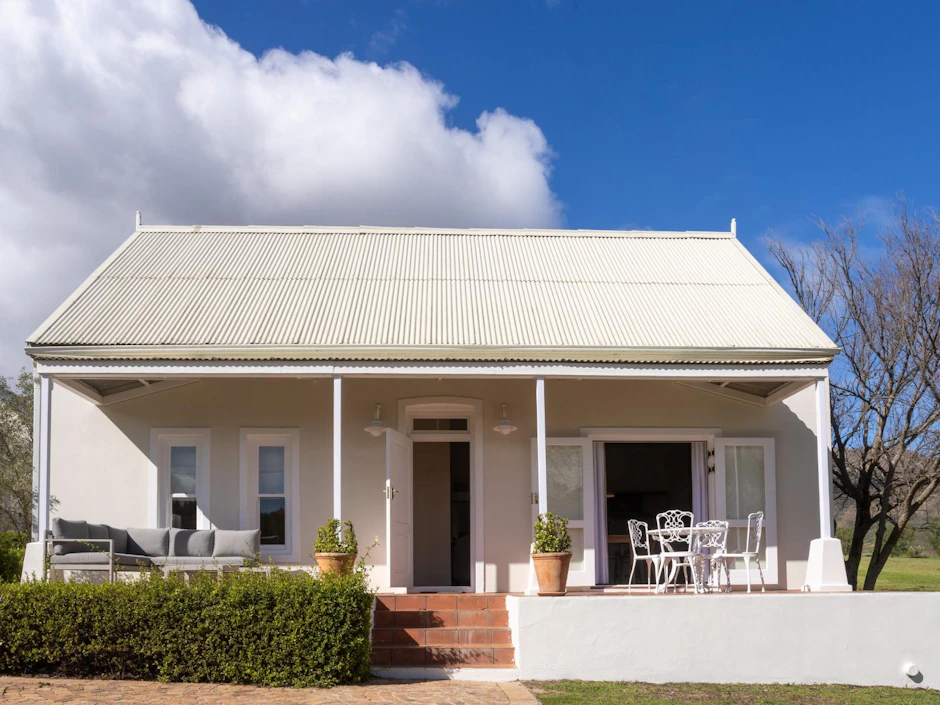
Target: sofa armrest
92, 545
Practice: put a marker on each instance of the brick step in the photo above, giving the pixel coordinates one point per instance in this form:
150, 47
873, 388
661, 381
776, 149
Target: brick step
397, 636
443, 656
463, 630
417, 603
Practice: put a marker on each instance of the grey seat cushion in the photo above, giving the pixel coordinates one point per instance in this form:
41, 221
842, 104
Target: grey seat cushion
188, 543
197, 562
89, 558
236, 543
67, 529
148, 542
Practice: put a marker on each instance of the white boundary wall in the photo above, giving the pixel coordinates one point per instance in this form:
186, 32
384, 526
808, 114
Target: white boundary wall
857, 639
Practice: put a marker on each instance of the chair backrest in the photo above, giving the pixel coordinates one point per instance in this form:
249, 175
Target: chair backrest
639, 539
712, 539
755, 525
671, 522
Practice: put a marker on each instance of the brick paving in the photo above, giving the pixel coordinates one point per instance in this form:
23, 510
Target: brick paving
86, 692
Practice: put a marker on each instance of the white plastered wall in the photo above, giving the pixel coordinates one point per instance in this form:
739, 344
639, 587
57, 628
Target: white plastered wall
770, 638
100, 455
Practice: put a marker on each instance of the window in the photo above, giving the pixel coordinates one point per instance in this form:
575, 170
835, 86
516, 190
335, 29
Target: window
270, 488
180, 470
183, 487
420, 424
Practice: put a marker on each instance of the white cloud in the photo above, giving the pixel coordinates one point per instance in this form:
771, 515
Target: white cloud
106, 108
383, 40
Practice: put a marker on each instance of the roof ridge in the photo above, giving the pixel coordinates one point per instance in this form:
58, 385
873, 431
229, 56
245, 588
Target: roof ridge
397, 230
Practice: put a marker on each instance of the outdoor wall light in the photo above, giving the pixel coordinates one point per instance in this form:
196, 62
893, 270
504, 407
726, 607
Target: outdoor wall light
710, 459
376, 427
504, 426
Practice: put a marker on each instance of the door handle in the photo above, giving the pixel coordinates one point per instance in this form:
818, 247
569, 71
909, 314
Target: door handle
389, 492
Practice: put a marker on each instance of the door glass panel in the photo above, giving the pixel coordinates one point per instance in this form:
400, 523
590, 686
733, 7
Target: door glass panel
565, 466
744, 482
577, 548
271, 470
184, 514
183, 470
273, 524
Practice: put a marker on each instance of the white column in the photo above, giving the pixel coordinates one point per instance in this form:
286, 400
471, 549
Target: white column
37, 405
823, 457
825, 567
338, 447
45, 425
542, 454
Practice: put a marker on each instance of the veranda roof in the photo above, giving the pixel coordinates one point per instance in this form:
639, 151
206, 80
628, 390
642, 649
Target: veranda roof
330, 293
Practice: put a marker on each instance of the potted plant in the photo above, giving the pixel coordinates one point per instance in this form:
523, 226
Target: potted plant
551, 553
335, 548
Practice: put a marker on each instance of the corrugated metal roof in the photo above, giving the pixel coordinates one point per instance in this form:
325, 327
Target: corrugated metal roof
361, 293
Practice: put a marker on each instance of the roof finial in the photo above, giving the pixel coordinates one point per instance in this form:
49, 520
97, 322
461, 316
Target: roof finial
138, 219
734, 227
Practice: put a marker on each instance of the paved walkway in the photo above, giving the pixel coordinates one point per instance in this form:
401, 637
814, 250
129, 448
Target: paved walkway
82, 692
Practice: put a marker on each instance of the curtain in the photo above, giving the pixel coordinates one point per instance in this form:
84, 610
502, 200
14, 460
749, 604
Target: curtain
600, 516
699, 481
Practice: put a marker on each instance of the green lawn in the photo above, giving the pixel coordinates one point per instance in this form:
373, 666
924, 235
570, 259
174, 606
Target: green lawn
910, 574
578, 692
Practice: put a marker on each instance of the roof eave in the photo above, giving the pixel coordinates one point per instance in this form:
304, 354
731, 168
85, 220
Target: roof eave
464, 353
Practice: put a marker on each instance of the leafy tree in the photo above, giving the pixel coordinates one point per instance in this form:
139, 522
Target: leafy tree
882, 307
16, 452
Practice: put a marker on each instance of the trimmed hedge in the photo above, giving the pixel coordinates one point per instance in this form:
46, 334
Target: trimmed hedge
12, 550
278, 630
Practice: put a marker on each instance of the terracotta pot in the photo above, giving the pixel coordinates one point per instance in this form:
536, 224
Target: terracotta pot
341, 563
551, 569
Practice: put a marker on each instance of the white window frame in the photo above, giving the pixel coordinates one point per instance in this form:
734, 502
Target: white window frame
161, 441
587, 575
289, 438
769, 537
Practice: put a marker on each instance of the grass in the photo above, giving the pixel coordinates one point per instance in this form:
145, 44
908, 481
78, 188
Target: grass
577, 692
907, 574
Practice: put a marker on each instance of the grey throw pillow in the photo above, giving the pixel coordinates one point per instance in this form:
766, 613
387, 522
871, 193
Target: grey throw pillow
237, 543
67, 529
187, 542
99, 531
119, 536
148, 542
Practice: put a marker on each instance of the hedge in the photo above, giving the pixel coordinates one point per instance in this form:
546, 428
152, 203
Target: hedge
278, 630
12, 549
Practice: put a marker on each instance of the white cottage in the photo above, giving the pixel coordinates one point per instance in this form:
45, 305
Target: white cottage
439, 388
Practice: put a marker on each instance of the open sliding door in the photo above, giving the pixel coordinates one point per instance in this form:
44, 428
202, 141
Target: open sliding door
745, 482
399, 512
570, 466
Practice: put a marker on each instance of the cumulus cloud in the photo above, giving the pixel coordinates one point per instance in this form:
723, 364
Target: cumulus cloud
106, 108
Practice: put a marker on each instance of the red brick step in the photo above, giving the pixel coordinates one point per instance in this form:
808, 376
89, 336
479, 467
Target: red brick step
465, 630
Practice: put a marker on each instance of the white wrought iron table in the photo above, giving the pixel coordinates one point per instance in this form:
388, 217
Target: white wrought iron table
698, 577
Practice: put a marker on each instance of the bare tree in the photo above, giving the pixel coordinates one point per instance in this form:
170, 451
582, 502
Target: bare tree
881, 305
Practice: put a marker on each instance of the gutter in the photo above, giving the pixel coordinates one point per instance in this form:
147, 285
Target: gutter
435, 353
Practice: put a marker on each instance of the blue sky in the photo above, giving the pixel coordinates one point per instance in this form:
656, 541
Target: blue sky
669, 115
509, 113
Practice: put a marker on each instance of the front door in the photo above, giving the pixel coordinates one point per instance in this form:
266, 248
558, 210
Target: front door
570, 466
399, 514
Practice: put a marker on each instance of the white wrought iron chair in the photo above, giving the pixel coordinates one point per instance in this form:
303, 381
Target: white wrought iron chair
675, 525
640, 545
710, 547
751, 552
